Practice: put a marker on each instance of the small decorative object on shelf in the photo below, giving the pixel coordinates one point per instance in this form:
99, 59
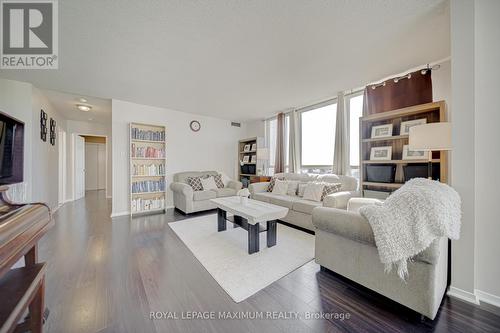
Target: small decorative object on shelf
414, 154
406, 125
381, 131
381, 153
246, 148
147, 169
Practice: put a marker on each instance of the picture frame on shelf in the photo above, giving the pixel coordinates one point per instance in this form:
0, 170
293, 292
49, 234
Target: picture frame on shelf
254, 147
381, 131
253, 160
246, 159
406, 125
414, 154
381, 153
246, 148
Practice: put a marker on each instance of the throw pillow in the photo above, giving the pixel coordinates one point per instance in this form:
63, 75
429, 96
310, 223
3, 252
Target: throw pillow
209, 183
271, 183
314, 191
195, 183
293, 186
330, 188
301, 189
218, 181
280, 187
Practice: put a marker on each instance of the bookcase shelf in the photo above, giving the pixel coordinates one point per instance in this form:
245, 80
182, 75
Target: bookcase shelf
248, 170
432, 112
147, 141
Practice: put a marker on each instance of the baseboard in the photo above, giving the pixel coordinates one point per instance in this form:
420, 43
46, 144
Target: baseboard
120, 214
487, 297
463, 295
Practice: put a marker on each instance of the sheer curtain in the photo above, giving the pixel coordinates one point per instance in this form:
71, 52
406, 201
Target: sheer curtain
294, 143
341, 153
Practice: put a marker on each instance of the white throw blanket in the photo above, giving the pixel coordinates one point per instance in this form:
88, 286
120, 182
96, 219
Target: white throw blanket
411, 219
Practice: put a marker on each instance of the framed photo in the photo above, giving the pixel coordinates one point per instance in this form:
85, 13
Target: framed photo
381, 153
246, 148
254, 159
381, 131
254, 147
246, 159
414, 154
406, 125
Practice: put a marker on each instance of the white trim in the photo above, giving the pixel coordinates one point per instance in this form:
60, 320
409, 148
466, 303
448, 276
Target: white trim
120, 214
108, 197
463, 295
487, 297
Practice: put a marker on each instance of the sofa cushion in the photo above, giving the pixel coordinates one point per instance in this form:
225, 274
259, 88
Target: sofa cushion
225, 192
314, 191
208, 183
280, 187
262, 196
305, 206
293, 186
301, 189
282, 200
271, 183
204, 195
330, 188
218, 181
195, 183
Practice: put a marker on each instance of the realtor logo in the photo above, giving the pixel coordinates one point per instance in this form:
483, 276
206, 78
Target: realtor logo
29, 36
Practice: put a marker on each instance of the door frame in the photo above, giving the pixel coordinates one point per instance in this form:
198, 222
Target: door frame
73, 157
63, 167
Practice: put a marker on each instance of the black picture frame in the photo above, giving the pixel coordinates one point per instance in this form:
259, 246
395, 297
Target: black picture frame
53, 125
43, 126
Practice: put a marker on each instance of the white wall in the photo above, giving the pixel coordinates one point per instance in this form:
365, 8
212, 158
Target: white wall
90, 128
255, 128
214, 147
45, 172
487, 175
16, 101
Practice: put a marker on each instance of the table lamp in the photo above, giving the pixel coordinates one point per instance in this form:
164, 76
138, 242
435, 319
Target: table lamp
430, 137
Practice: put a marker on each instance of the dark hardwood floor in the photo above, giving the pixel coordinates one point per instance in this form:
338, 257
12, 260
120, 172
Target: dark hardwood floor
106, 276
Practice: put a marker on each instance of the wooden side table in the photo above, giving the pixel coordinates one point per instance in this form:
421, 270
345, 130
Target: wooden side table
259, 179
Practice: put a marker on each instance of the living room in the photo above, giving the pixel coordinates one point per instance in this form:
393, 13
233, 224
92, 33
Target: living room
313, 166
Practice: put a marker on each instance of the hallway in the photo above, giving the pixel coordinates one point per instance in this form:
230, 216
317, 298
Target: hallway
106, 276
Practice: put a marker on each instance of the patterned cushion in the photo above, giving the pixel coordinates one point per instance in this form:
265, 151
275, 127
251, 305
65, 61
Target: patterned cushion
218, 181
330, 188
195, 183
271, 183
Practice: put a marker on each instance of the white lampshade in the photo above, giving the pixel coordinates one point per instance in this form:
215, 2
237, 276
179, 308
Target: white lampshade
432, 137
263, 154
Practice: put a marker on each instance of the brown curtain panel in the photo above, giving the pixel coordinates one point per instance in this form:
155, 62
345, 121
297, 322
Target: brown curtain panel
279, 162
396, 95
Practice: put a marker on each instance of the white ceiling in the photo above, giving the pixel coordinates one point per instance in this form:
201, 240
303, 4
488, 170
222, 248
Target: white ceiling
66, 104
238, 59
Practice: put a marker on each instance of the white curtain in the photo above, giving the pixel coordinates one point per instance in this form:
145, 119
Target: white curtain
341, 153
293, 143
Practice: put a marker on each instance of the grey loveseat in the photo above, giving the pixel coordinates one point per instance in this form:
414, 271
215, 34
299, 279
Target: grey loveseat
345, 244
189, 201
300, 210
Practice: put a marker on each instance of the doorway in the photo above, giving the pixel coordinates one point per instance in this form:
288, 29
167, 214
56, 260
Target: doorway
79, 167
95, 163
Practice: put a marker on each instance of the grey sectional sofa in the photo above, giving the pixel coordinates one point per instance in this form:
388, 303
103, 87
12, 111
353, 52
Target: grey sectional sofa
345, 245
189, 201
300, 210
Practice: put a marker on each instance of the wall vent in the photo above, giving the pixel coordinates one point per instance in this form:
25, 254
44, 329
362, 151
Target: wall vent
235, 124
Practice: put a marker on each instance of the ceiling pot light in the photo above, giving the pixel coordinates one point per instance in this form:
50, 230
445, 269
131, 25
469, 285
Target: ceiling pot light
83, 100
84, 108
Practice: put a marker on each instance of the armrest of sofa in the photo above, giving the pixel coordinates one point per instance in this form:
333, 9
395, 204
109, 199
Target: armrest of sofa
183, 189
258, 187
337, 200
234, 184
343, 223
355, 204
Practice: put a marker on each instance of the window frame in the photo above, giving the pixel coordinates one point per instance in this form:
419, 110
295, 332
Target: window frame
299, 118
347, 106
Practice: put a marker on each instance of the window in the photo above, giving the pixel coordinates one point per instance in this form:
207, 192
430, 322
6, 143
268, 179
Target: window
354, 104
317, 142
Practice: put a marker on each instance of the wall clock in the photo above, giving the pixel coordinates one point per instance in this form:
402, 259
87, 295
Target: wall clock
195, 125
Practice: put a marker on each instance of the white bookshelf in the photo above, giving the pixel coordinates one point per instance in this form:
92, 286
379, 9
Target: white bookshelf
147, 169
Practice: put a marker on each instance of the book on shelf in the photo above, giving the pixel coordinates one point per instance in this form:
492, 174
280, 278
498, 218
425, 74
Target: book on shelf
148, 186
143, 205
147, 135
149, 152
148, 170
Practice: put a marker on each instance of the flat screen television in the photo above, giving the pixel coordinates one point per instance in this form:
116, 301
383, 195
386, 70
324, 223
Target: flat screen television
11, 150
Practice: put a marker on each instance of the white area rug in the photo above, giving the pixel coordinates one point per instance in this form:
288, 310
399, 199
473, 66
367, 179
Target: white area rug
224, 254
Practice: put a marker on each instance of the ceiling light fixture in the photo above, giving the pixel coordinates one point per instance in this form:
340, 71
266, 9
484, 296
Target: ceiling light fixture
83, 100
83, 108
